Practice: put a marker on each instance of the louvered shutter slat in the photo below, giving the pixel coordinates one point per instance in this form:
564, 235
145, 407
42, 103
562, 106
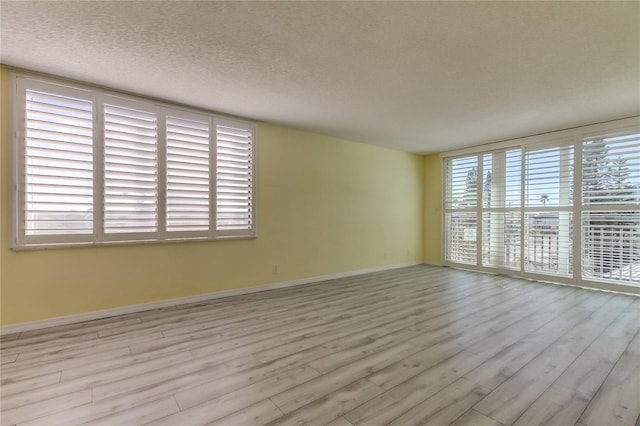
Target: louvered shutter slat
58, 164
55, 162
190, 141
60, 173
188, 171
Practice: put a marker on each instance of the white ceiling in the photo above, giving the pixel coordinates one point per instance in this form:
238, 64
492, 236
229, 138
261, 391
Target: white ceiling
415, 76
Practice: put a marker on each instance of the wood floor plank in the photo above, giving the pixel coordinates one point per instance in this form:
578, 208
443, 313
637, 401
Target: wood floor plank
473, 418
40, 393
91, 326
255, 415
445, 406
29, 359
201, 366
199, 408
397, 400
43, 408
140, 414
318, 388
617, 402
415, 345
8, 337
557, 406
28, 385
70, 335
123, 363
15, 373
9, 358
340, 421
333, 405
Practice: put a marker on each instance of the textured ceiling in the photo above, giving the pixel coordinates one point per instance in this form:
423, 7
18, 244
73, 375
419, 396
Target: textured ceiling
415, 76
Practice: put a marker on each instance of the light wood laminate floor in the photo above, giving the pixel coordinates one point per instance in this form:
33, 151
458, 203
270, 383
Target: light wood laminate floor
418, 345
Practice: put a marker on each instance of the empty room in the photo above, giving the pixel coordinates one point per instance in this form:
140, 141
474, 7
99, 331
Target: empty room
341, 213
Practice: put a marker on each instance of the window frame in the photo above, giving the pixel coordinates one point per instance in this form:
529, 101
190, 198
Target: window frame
561, 139
21, 81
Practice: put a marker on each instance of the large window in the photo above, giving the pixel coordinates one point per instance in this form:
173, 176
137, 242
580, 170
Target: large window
94, 167
567, 207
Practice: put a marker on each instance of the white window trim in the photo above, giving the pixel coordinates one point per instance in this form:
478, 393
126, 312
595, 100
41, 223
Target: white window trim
20, 241
575, 137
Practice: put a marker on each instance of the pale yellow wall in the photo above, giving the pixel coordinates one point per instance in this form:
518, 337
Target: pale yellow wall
432, 242
324, 206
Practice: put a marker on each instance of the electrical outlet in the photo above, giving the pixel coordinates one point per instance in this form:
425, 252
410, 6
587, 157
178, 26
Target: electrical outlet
275, 269
386, 254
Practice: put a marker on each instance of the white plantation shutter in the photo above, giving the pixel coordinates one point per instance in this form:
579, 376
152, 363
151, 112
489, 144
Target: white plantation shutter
462, 175
548, 243
501, 239
611, 246
461, 216
501, 209
611, 208
188, 172
461, 245
130, 169
234, 178
58, 164
94, 167
501, 180
548, 177
611, 171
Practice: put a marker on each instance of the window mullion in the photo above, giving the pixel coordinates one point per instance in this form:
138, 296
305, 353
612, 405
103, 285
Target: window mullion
19, 157
523, 156
162, 172
479, 202
98, 168
213, 178
578, 238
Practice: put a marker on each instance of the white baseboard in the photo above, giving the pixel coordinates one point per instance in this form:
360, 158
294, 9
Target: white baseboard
106, 313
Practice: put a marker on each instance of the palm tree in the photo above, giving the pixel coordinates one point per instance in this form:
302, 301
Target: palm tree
544, 198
